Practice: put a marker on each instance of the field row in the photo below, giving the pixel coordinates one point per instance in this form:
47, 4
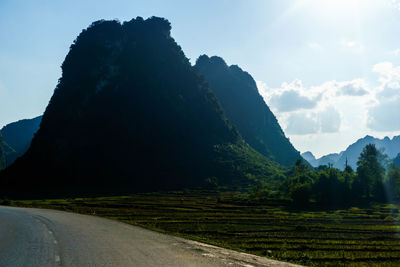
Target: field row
342, 237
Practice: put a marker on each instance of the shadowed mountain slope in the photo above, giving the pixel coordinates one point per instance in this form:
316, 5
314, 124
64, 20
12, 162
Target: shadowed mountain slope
237, 92
2, 153
130, 114
18, 135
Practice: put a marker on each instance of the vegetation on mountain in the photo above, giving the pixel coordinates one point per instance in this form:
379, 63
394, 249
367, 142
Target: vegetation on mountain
131, 114
18, 136
2, 153
237, 92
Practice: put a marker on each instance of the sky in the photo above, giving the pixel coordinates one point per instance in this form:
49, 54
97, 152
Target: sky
328, 69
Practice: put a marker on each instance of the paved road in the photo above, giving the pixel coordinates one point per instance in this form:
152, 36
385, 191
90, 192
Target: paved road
39, 237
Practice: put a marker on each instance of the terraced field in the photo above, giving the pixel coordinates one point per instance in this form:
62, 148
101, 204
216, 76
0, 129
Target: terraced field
366, 236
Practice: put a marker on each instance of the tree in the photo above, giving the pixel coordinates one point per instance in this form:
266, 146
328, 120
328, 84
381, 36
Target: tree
348, 178
330, 187
392, 183
370, 173
300, 194
348, 169
300, 184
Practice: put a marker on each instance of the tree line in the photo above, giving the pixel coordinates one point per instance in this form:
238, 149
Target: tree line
376, 179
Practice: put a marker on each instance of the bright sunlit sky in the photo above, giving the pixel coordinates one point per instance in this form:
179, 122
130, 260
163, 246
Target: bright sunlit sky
328, 69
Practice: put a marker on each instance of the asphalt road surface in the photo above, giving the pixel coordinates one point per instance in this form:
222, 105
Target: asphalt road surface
40, 237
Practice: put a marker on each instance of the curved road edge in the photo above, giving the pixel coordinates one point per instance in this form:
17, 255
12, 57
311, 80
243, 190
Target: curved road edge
43, 237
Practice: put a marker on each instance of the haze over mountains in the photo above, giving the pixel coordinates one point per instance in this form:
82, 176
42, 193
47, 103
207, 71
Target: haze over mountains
131, 114
390, 147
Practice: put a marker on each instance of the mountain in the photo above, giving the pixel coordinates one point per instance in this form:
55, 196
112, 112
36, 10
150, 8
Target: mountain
18, 135
308, 156
324, 160
2, 154
131, 114
396, 160
329, 159
390, 147
237, 92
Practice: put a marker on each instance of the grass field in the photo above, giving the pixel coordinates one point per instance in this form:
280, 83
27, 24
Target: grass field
338, 237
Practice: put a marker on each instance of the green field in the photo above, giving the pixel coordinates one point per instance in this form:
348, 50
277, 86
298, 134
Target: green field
366, 236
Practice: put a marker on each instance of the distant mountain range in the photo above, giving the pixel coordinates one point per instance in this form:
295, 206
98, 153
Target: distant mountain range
390, 147
18, 136
131, 114
325, 160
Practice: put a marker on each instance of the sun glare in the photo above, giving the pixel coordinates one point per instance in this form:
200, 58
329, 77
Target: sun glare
343, 8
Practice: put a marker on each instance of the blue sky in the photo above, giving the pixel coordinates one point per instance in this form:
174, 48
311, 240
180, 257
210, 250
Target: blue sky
327, 68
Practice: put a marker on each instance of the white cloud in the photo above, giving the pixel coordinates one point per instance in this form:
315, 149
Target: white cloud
347, 43
357, 87
304, 122
395, 4
291, 96
387, 72
394, 52
295, 96
383, 116
389, 91
389, 78
352, 45
337, 110
329, 120
301, 124
324, 109
333, 107
292, 100
314, 45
